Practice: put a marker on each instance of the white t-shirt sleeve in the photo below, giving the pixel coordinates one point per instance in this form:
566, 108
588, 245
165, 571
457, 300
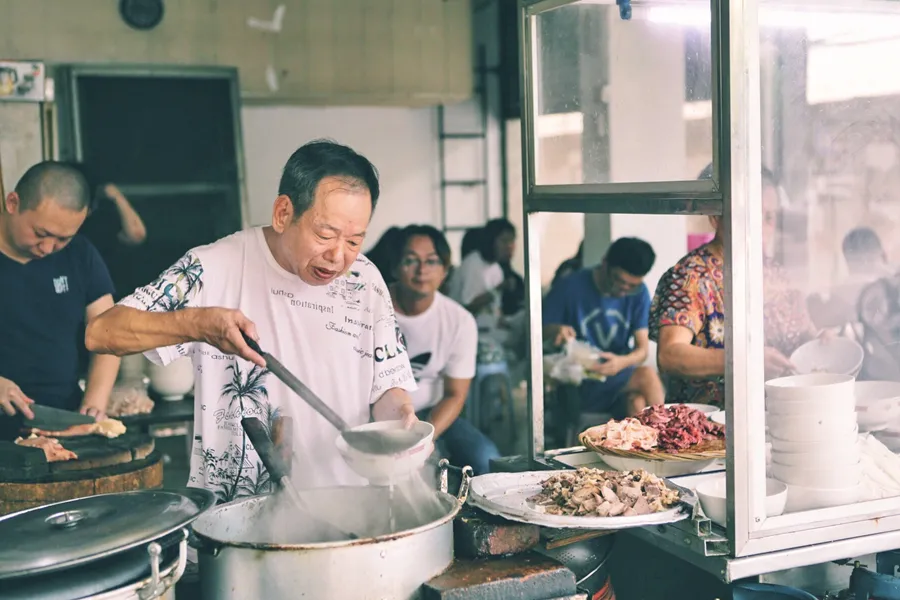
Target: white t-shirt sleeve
471, 281
392, 368
464, 353
180, 286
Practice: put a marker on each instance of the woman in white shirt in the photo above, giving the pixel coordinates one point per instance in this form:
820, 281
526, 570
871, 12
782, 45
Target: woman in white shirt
442, 343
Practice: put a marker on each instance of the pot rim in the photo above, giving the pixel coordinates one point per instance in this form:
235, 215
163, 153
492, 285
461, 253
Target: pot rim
456, 505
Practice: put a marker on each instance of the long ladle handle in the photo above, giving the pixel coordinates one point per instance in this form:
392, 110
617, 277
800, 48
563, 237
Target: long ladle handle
278, 470
297, 386
265, 448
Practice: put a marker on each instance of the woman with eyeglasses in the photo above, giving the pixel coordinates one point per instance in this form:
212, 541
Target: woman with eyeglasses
442, 342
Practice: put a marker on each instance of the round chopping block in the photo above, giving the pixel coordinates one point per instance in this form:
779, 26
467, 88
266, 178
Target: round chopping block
103, 466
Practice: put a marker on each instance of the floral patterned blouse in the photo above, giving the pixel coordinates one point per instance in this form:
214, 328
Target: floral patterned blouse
691, 294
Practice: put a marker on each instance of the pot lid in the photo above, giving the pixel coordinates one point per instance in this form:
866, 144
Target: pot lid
73, 532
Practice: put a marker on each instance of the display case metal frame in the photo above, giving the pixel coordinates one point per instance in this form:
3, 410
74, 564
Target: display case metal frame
734, 192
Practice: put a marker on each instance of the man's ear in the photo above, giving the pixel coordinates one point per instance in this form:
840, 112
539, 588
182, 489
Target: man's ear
12, 203
282, 213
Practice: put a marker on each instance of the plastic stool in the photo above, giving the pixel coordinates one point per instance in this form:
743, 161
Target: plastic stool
484, 373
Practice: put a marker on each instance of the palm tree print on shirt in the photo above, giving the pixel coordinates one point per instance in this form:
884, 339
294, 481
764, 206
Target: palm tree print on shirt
232, 474
178, 284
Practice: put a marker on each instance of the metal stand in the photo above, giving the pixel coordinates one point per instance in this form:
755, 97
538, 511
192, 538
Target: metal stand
883, 583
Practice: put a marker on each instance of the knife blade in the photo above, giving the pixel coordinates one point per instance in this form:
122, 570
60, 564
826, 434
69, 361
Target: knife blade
55, 419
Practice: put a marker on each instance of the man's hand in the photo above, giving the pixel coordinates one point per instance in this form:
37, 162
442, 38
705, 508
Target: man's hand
609, 365
776, 364
559, 334
408, 415
223, 327
13, 400
99, 414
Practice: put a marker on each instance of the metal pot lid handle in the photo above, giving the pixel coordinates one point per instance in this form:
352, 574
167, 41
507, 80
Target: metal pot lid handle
66, 534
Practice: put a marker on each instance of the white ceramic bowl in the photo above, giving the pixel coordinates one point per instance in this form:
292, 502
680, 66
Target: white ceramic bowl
802, 498
842, 443
706, 409
840, 356
387, 469
833, 478
814, 428
718, 417
174, 380
845, 405
825, 459
660, 468
712, 494
823, 388
877, 404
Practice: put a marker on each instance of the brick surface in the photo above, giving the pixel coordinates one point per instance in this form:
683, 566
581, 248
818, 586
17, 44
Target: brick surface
528, 576
477, 534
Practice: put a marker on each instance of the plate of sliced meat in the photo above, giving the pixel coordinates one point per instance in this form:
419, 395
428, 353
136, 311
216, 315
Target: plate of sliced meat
686, 441
582, 498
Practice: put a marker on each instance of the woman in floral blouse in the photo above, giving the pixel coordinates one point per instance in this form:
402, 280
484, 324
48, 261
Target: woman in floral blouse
687, 316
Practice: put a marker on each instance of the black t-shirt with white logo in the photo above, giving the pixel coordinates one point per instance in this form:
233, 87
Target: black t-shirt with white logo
43, 304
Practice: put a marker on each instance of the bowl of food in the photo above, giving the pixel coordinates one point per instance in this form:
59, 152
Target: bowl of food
838, 356
713, 498
877, 404
386, 469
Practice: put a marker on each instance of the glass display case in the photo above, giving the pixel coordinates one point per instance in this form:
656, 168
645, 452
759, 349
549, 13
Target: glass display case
778, 121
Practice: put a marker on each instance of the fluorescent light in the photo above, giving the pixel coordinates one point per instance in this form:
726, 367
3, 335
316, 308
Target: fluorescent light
818, 25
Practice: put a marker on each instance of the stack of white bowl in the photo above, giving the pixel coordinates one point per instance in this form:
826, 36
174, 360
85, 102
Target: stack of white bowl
814, 436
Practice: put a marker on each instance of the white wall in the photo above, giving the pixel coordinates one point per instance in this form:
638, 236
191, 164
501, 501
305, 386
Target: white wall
401, 142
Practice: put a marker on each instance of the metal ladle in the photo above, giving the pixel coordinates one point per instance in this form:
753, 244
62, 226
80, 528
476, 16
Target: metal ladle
278, 471
371, 442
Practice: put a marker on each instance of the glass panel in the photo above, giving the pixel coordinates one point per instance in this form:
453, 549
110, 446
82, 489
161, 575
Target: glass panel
622, 101
600, 290
831, 218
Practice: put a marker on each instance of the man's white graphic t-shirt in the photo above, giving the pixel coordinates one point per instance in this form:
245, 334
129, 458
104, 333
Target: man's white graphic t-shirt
441, 342
341, 339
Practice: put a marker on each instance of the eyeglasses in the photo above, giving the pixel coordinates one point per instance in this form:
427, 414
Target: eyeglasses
411, 264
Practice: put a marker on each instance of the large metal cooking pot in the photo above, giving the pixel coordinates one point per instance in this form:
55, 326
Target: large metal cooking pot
127, 546
238, 559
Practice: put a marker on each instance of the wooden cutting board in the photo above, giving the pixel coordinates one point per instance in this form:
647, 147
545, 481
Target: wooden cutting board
24, 463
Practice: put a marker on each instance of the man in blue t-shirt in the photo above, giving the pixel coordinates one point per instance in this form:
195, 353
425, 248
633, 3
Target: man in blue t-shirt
608, 306
53, 281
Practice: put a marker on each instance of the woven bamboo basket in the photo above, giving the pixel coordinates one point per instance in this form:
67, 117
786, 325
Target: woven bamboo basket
706, 450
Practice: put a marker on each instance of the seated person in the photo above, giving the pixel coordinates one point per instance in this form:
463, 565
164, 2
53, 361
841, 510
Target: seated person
687, 317
608, 306
54, 282
866, 262
442, 342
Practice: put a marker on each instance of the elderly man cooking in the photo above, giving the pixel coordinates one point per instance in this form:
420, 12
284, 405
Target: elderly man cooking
301, 288
53, 281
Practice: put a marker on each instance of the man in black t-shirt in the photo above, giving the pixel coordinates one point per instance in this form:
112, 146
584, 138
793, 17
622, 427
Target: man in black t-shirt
53, 281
